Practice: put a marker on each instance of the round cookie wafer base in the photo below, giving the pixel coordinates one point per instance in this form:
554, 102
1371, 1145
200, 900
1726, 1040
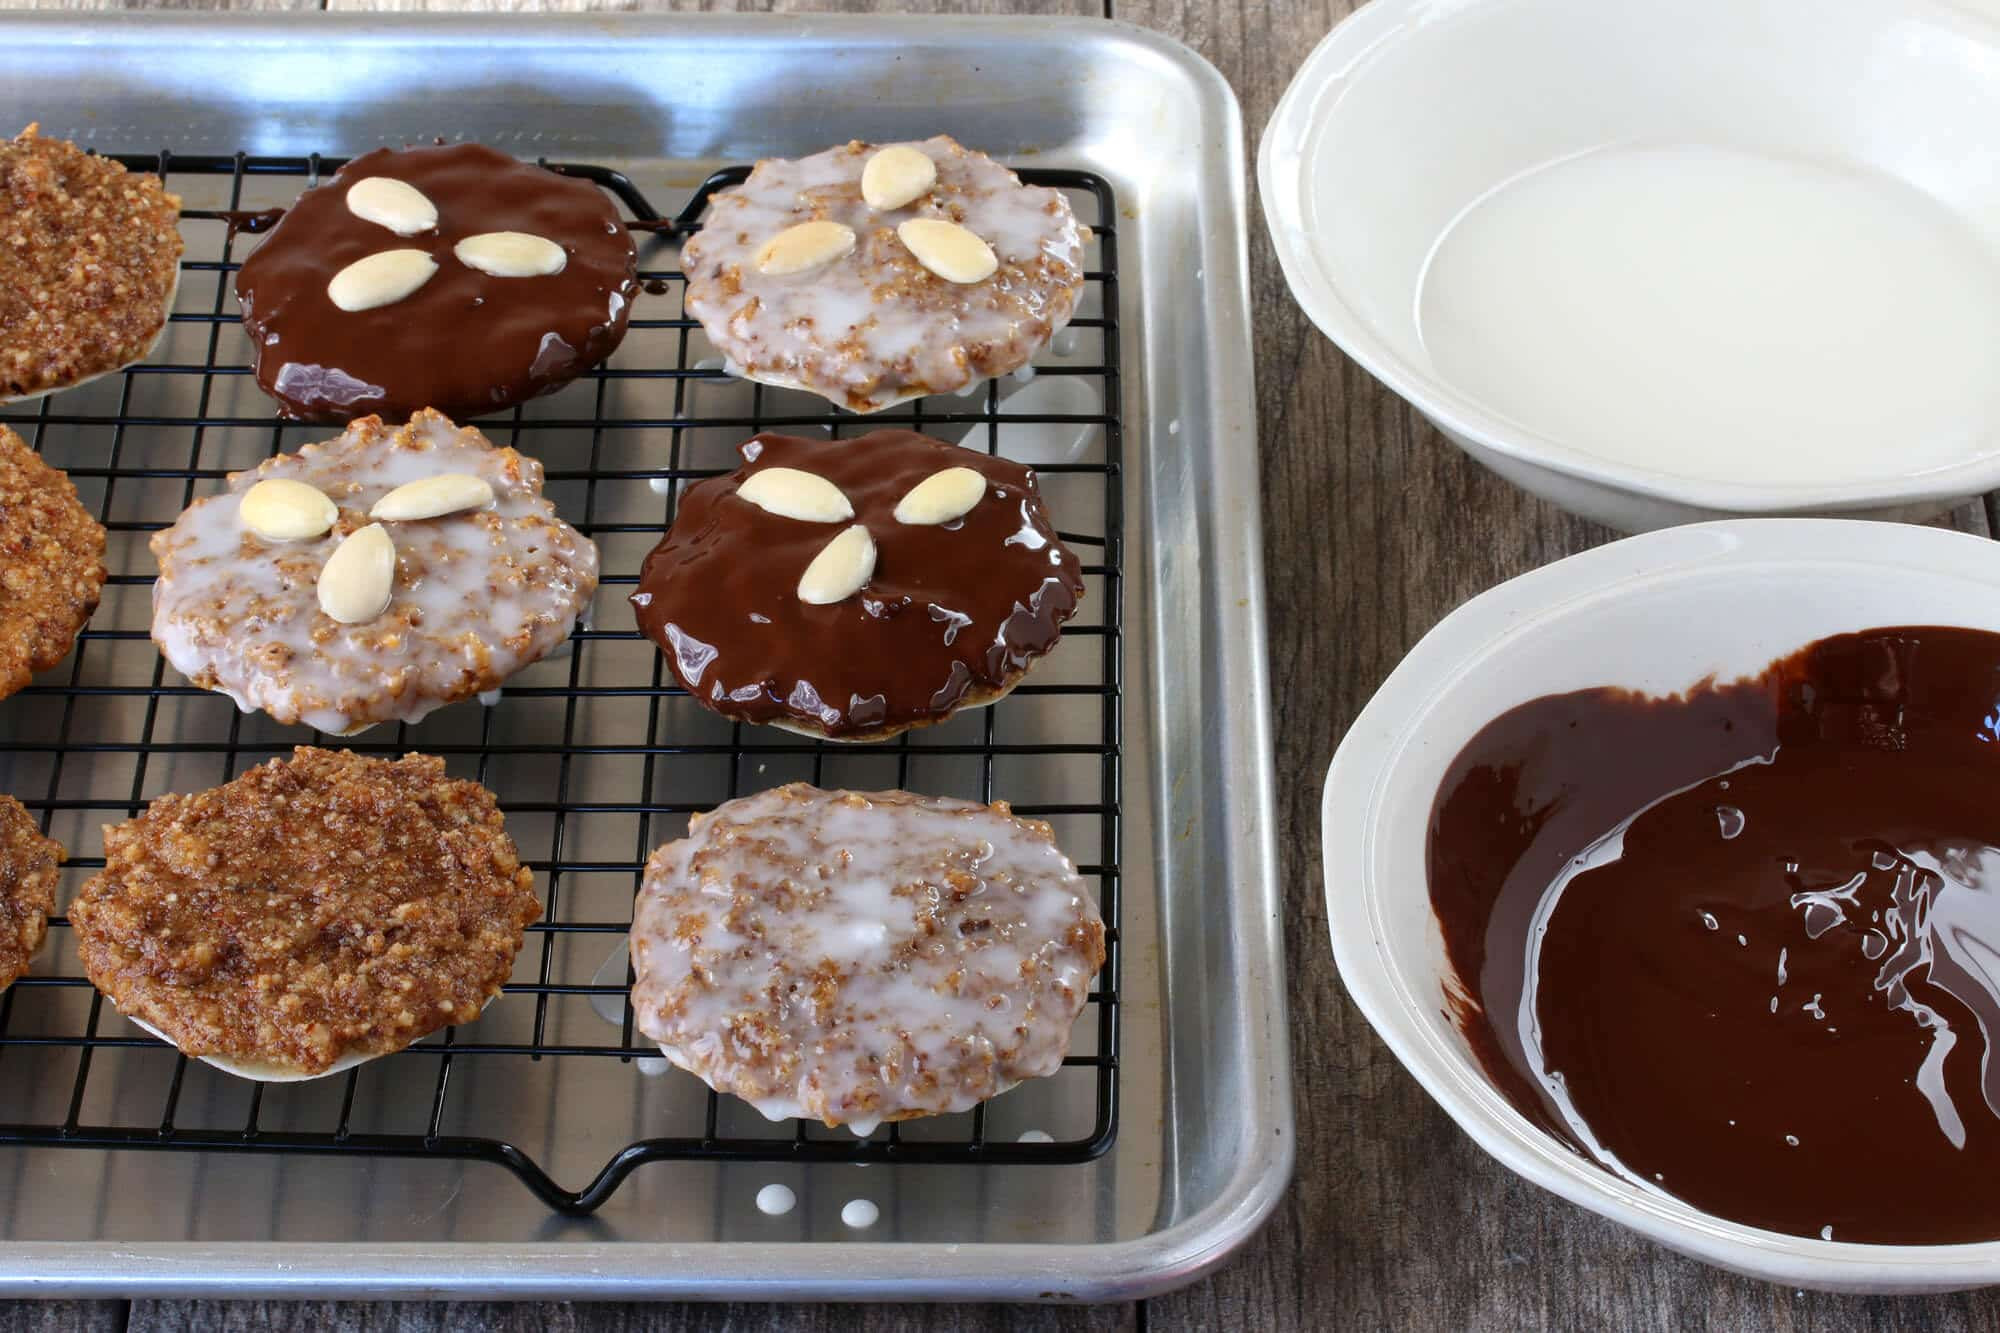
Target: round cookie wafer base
264, 1071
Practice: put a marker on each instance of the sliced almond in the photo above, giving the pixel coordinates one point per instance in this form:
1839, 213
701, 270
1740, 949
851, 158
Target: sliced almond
433, 497
356, 582
511, 254
806, 246
897, 175
279, 509
941, 497
388, 202
790, 493
383, 278
948, 250
840, 569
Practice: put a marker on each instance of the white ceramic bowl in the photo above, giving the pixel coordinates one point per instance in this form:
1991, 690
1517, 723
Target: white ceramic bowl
1656, 613
1412, 111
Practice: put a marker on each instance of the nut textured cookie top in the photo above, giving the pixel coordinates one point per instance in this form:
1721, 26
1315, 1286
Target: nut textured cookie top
861, 957
89, 255
855, 588
267, 594
451, 277
866, 310
312, 908
28, 871
51, 564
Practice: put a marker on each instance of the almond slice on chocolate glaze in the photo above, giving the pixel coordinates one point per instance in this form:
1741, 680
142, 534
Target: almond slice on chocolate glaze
511, 254
841, 569
433, 497
279, 509
806, 246
383, 278
791, 493
949, 250
395, 204
941, 497
357, 580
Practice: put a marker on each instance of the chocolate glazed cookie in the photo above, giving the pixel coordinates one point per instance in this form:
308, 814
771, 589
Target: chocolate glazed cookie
856, 588
453, 277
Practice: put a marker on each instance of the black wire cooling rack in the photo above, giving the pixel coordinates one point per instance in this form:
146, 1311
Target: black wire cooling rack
595, 757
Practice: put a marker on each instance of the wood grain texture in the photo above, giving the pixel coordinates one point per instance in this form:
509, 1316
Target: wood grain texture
1092, 8
413, 1317
61, 1316
1375, 528
236, 6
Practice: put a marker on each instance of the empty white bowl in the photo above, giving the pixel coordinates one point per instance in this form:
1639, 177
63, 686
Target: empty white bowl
1655, 613
1661, 263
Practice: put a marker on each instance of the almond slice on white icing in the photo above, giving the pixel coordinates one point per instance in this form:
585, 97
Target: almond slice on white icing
511, 254
356, 582
948, 250
941, 497
840, 569
388, 202
279, 509
383, 278
790, 493
433, 497
806, 246
897, 175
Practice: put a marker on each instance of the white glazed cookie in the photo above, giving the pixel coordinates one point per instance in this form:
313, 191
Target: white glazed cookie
802, 283
371, 578
862, 957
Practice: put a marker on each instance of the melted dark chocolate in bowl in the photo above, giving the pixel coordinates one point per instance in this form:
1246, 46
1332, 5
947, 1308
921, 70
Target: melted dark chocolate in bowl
953, 612
1765, 919
466, 342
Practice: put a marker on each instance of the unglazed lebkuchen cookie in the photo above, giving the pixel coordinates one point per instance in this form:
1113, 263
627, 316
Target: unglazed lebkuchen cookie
89, 262
29, 866
874, 273
313, 913
51, 564
862, 957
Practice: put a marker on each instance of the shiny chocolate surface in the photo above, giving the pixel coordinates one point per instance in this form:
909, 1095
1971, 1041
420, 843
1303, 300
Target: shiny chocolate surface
466, 343
1743, 945
952, 614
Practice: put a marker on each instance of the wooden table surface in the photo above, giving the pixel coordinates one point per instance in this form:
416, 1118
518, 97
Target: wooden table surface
1374, 528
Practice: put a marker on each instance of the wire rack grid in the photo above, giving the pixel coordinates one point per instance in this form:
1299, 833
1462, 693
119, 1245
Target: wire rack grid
596, 757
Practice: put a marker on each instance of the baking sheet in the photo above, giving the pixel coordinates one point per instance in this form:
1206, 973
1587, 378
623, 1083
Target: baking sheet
1204, 1142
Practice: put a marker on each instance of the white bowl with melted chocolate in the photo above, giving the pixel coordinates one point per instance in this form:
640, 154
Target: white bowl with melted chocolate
1664, 870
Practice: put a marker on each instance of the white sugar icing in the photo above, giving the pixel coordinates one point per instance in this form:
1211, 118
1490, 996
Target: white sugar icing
478, 594
874, 327
861, 957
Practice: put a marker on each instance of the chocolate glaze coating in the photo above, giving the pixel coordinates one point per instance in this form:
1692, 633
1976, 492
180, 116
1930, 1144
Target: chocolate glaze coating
465, 343
1777, 1001
953, 614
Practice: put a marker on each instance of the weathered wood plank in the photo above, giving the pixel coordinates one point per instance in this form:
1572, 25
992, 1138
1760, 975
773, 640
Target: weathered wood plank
1375, 528
229, 5
1087, 7
61, 1316
411, 1317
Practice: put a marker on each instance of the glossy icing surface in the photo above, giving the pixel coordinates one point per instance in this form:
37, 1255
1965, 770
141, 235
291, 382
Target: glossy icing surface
952, 613
874, 326
859, 957
465, 342
1743, 945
